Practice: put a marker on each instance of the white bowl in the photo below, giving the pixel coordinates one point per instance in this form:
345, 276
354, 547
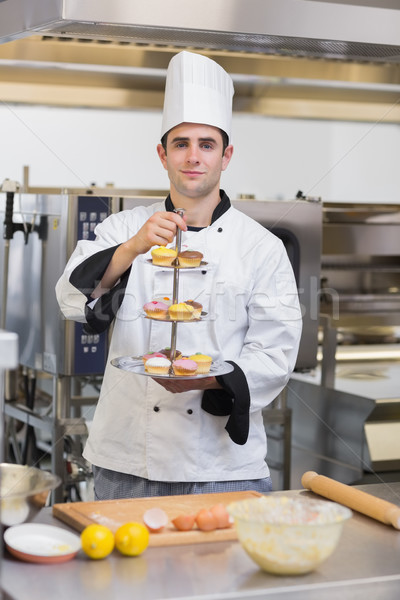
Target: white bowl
34, 542
288, 535
23, 492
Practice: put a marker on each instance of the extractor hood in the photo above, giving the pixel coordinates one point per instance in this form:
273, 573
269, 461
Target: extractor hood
357, 29
306, 58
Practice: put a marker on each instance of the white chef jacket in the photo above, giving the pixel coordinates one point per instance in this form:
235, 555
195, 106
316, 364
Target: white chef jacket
249, 292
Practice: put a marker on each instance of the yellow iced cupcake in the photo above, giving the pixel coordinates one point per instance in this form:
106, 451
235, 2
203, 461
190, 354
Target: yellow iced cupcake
163, 256
203, 362
181, 312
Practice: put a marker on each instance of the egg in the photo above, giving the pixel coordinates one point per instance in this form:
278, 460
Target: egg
205, 520
155, 519
222, 516
184, 522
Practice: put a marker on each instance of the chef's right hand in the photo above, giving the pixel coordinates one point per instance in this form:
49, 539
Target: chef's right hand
159, 230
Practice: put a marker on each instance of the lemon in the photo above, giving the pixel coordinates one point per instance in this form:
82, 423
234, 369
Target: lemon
97, 541
132, 538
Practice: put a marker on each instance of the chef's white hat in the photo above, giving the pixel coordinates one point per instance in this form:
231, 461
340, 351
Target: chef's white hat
197, 90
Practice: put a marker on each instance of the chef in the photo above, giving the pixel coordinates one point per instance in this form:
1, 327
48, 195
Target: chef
163, 436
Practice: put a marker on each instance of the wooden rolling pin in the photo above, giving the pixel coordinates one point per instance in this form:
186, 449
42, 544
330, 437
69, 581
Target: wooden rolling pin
369, 505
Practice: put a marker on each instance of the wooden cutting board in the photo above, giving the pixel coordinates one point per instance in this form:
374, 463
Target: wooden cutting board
114, 513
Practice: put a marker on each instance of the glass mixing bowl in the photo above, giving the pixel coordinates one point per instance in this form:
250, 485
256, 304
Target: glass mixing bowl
23, 492
288, 535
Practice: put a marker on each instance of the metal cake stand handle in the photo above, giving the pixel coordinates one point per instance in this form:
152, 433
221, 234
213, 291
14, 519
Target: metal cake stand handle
180, 212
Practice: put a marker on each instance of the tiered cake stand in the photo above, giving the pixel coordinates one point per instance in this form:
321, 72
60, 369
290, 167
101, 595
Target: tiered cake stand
135, 363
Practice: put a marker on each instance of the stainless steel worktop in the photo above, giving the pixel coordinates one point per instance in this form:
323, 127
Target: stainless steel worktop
365, 565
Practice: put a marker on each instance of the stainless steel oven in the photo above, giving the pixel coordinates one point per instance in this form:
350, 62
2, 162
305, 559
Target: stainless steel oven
346, 417
41, 232
36, 259
298, 223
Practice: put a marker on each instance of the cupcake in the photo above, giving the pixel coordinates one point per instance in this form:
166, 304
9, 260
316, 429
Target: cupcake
189, 258
156, 310
184, 366
203, 362
197, 308
163, 256
146, 357
167, 352
157, 365
181, 312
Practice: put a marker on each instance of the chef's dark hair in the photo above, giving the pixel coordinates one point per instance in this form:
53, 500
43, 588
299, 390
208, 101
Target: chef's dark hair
225, 140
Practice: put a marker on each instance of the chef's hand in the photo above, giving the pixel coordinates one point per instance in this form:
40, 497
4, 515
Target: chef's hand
159, 230
177, 386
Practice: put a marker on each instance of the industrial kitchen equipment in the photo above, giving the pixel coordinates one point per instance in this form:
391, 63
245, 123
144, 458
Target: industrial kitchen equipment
40, 232
348, 424
316, 28
8, 360
36, 260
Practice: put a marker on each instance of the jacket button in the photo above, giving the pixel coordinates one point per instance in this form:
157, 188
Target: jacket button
189, 411
156, 408
219, 229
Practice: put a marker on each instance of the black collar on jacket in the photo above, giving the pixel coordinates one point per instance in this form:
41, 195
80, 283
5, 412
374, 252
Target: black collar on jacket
219, 210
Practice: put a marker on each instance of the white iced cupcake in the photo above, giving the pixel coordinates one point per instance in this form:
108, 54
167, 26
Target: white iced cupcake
157, 365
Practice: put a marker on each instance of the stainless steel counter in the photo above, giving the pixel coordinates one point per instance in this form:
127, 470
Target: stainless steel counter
366, 565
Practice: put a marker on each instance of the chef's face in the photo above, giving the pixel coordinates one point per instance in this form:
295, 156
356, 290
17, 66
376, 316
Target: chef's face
194, 158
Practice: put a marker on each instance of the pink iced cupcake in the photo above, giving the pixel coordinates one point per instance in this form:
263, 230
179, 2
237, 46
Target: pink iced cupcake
184, 366
156, 309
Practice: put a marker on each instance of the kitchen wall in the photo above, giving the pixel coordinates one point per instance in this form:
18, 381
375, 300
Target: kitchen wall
273, 159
